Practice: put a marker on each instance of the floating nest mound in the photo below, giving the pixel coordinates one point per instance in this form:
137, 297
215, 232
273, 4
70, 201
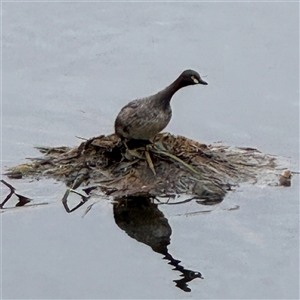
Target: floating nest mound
171, 166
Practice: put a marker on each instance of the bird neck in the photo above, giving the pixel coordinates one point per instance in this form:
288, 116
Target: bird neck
166, 94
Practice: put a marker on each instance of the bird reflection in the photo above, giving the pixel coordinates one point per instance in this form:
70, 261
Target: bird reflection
140, 218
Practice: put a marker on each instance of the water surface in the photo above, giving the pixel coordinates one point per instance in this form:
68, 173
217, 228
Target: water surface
68, 68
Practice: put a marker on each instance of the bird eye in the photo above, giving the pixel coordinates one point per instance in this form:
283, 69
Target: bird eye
195, 79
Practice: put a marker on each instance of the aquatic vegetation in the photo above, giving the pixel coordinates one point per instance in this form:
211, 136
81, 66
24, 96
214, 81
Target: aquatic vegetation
171, 166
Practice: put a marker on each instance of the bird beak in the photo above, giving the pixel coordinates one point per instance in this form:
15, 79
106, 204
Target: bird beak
202, 82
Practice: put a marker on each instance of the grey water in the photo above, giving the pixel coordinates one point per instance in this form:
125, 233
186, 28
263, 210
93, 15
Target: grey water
68, 68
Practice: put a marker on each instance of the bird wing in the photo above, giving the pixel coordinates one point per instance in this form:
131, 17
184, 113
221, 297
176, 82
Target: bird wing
133, 110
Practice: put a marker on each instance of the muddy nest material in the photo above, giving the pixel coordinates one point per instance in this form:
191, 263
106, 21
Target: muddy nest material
182, 166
